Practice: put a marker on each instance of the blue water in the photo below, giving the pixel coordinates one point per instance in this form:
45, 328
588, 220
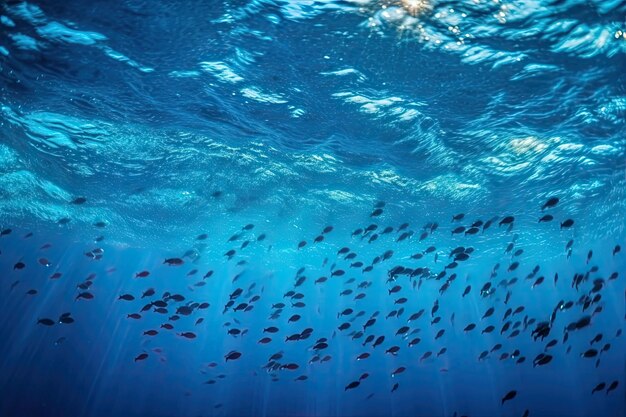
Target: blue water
133, 132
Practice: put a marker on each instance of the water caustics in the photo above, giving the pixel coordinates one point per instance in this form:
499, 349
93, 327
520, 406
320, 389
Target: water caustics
277, 207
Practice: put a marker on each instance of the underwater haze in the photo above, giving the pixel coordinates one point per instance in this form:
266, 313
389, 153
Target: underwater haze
312, 208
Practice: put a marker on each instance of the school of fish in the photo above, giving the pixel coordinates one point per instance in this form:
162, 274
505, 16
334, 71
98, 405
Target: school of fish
419, 321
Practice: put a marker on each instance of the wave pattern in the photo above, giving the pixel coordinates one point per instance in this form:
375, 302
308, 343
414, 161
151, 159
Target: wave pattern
324, 103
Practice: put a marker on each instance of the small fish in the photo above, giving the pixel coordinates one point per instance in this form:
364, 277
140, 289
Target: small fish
352, 385
46, 322
398, 371
395, 289
469, 327
85, 295
551, 202
542, 359
598, 387
509, 396
612, 387
488, 329
616, 249
458, 217
173, 261
467, 290
379, 341
589, 353
393, 350
66, 319
506, 220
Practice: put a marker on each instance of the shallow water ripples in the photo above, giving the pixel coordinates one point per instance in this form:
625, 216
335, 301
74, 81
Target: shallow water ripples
470, 104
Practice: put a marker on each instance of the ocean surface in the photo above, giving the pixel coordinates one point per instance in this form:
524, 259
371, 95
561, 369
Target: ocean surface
312, 208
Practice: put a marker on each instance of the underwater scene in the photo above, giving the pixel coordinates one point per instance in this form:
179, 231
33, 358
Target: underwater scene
312, 208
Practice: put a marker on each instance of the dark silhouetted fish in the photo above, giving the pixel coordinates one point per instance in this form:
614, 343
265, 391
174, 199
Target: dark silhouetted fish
598, 387
352, 385
232, 355
551, 202
509, 396
173, 261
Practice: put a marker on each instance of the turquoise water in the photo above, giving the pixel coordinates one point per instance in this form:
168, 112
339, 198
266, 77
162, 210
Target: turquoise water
387, 171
